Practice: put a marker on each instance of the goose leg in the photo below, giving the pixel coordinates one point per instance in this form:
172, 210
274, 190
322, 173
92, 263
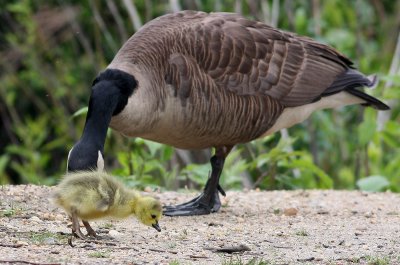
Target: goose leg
208, 201
76, 230
89, 229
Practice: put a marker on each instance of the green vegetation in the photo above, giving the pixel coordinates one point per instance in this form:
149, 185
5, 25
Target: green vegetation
47, 238
378, 260
238, 261
50, 53
302, 233
108, 225
100, 254
9, 212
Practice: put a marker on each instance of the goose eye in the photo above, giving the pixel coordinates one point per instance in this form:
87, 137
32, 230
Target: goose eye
153, 216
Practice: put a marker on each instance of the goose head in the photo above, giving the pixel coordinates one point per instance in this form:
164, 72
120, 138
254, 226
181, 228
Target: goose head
109, 96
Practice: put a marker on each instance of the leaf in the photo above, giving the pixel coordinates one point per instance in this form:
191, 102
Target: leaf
373, 183
153, 147
80, 112
4, 159
325, 182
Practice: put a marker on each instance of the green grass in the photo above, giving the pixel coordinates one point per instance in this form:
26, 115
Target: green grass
108, 225
7, 212
10, 211
277, 211
41, 237
239, 261
378, 260
99, 254
302, 233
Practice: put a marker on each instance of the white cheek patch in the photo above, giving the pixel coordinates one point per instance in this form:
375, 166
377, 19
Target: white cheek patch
100, 162
69, 154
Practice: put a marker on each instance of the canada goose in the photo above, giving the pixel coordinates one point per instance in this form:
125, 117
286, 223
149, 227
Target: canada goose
94, 194
195, 80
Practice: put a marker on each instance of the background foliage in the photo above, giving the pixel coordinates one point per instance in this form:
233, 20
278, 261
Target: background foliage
50, 52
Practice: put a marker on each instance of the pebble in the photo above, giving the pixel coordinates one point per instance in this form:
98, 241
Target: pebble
35, 219
59, 217
23, 243
148, 189
48, 216
49, 241
290, 211
114, 233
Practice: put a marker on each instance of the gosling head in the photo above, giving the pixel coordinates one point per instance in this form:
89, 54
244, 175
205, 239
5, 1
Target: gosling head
148, 211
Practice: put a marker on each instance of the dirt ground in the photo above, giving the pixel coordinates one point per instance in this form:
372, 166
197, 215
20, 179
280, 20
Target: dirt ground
276, 227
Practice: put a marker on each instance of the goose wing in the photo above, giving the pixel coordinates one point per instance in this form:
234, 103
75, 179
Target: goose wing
250, 58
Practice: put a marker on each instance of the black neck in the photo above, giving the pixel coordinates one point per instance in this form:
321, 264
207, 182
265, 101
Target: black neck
103, 102
110, 93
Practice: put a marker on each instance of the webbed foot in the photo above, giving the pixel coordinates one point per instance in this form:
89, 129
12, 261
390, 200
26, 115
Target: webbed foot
197, 206
208, 201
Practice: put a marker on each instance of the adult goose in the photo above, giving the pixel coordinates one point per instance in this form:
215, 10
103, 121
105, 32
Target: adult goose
195, 80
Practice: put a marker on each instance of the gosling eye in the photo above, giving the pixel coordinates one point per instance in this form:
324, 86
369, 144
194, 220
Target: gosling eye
153, 216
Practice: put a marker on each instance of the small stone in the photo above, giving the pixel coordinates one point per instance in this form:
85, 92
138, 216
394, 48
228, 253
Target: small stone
290, 211
148, 189
59, 217
35, 219
45, 216
49, 241
48, 216
239, 220
23, 243
369, 214
114, 233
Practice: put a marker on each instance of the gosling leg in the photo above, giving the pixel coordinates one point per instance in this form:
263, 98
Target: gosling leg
89, 229
76, 230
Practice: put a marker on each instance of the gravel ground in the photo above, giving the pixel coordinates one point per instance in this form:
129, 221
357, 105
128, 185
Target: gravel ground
277, 227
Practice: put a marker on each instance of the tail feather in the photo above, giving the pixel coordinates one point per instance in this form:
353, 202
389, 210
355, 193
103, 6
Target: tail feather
352, 79
370, 101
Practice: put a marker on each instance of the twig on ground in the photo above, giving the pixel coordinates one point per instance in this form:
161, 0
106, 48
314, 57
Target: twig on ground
306, 259
27, 262
11, 245
198, 257
161, 250
276, 246
108, 243
232, 249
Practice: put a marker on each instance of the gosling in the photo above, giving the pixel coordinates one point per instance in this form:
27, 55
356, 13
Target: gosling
89, 195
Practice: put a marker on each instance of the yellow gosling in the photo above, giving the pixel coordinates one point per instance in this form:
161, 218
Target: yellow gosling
89, 195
